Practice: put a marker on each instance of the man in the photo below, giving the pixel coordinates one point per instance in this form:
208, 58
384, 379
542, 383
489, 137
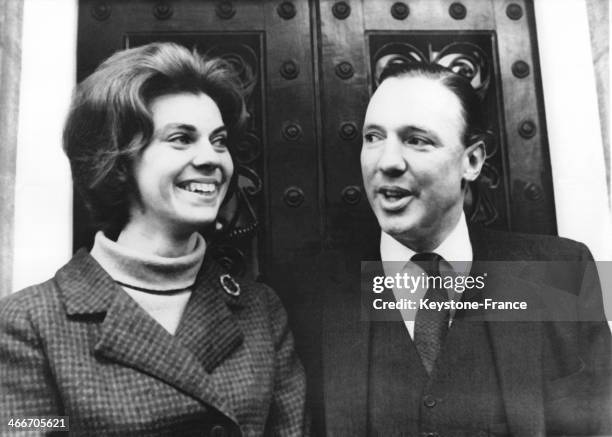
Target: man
421, 147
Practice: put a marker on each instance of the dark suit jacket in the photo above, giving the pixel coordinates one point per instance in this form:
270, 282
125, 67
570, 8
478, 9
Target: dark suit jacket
555, 377
78, 345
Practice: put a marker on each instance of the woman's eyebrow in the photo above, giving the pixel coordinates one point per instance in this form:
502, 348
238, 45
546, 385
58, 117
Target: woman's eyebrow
179, 126
220, 129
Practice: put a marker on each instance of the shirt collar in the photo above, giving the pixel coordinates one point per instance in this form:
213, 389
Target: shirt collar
456, 249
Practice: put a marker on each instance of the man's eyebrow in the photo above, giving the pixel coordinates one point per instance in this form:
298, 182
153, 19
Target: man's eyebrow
407, 130
372, 126
413, 128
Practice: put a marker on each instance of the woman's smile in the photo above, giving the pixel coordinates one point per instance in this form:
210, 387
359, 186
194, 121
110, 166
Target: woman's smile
204, 188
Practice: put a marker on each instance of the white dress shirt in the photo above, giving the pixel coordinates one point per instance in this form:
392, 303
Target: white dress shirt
456, 250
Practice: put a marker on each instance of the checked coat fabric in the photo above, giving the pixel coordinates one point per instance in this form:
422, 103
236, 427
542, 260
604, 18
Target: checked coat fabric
79, 346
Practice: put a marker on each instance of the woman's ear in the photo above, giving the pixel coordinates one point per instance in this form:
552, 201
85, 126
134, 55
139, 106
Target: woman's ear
473, 159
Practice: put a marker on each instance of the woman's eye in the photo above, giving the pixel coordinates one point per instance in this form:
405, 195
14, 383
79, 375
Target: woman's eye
219, 141
179, 139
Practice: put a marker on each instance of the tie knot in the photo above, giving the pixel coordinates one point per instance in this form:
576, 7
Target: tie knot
428, 261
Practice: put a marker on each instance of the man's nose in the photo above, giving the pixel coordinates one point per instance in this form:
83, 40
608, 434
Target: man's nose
205, 155
392, 160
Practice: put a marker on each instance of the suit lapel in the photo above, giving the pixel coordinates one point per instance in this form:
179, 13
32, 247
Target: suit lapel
129, 336
516, 343
517, 347
345, 339
519, 370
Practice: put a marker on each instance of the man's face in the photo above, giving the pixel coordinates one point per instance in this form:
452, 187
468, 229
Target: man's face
413, 160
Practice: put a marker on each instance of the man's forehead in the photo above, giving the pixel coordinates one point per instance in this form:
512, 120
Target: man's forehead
413, 100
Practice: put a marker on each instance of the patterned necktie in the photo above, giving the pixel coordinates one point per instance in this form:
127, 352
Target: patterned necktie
431, 325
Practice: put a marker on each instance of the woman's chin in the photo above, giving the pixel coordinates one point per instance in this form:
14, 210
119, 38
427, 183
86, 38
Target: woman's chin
191, 221
198, 223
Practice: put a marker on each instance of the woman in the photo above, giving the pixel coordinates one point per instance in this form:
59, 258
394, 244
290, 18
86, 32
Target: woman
145, 335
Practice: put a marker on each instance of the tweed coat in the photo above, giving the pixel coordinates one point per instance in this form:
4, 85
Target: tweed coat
78, 345
555, 377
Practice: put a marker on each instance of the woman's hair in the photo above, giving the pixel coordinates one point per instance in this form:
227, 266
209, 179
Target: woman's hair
471, 104
110, 120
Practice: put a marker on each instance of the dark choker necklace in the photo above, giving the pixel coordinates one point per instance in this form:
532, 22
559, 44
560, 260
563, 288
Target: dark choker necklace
158, 292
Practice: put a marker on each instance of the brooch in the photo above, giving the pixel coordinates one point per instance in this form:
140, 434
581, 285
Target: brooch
230, 286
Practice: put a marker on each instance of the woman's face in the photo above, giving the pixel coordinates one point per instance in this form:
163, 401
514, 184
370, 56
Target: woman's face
183, 174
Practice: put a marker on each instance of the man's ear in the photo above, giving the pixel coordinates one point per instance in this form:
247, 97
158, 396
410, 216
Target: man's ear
473, 159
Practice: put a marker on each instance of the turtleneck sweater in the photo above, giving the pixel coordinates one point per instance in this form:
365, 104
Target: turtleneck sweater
135, 269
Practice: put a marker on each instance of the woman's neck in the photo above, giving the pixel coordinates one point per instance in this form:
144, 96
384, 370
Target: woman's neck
153, 240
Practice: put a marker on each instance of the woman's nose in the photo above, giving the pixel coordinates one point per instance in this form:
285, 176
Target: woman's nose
392, 159
204, 154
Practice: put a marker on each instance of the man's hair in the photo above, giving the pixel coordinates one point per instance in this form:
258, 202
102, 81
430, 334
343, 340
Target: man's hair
471, 104
110, 120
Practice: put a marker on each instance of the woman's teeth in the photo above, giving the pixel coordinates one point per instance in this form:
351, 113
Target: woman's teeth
199, 187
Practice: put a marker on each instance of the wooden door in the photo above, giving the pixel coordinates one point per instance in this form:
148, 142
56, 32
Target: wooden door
309, 69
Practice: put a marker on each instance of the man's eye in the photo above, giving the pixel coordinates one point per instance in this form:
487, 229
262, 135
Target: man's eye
371, 137
419, 141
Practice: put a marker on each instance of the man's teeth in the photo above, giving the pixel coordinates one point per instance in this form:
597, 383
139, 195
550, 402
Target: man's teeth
199, 187
394, 194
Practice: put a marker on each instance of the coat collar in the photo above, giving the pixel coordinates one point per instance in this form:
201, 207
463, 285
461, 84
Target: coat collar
82, 279
86, 288
207, 334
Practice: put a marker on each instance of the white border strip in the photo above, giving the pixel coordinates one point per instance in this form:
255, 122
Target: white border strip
43, 190
572, 116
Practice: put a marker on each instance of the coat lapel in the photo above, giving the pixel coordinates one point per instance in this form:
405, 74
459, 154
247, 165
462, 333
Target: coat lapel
208, 328
129, 336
